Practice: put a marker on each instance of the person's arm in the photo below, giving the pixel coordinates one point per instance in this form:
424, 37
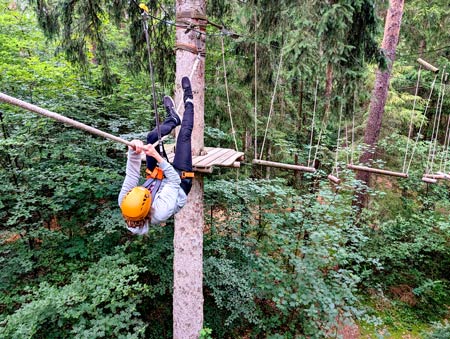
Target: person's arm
165, 203
132, 174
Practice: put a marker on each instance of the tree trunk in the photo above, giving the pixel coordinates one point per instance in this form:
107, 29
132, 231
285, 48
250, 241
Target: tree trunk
189, 222
380, 91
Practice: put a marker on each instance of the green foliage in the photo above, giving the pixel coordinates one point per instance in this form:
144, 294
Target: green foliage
93, 33
417, 257
285, 259
279, 262
205, 333
102, 302
440, 331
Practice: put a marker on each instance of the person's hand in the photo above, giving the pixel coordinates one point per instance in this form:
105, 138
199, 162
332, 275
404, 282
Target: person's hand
137, 146
151, 151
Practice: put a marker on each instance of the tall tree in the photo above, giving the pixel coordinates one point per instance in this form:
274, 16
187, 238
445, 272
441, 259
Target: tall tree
380, 90
84, 31
188, 238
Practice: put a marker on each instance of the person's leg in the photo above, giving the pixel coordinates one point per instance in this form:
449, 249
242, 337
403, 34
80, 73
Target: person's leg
183, 151
172, 120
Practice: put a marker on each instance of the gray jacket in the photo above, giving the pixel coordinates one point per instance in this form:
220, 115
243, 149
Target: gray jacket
170, 197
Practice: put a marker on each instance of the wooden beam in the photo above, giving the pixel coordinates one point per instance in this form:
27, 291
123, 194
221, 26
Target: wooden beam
377, 171
285, 166
429, 180
334, 179
202, 169
434, 176
427, 65
446, 176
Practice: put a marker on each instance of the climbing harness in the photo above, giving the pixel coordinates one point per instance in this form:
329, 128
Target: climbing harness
153, 185
157, 173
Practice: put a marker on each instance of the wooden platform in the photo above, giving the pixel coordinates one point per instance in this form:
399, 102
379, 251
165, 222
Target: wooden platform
221, 157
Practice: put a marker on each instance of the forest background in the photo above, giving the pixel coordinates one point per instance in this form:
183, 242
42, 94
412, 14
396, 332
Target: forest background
286, 255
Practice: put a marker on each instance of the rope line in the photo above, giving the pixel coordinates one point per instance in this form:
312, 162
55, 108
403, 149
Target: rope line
353, 128
443, 163
256, 101
421, 124
248, 37
338, 141
271, 104
346, 142
313, 122
194, 68
322, 129
228, 96
411, 120
58, 117
436, 123
152, 78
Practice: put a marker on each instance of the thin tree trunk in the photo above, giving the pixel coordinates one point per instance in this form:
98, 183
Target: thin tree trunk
380, 91
189, 222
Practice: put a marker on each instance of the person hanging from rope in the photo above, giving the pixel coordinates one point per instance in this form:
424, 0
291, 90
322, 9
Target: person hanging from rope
167, 186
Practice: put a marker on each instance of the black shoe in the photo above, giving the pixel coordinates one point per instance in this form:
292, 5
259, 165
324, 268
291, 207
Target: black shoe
172, 114
186, 85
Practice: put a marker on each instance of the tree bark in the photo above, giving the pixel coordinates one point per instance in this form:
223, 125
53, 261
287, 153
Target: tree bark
380, 91
189, 222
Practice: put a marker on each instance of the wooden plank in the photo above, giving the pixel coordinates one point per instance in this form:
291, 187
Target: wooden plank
215, 156
236, 156
212, 156
429, 180
446, 176
434, 176
427, 65
199, 158
224, 155
202, 169
377, 171
227, 157
334, 179
230, 160
281, 165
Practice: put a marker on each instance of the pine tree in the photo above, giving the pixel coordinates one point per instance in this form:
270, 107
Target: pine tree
380, 90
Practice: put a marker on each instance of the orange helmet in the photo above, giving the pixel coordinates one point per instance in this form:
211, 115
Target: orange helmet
136, 204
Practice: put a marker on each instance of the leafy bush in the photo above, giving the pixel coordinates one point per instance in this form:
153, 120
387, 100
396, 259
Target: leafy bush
102, 302
287, 264
440, 331
414, 254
